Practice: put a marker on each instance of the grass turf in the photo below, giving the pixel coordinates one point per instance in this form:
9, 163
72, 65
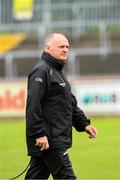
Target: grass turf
91, 159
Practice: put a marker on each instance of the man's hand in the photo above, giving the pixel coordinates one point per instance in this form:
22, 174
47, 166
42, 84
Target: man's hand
92, 131
42, 142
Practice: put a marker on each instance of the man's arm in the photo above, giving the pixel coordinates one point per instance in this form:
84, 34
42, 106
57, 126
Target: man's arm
80, 121
37, 89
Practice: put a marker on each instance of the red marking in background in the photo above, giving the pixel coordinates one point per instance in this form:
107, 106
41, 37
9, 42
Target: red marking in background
8, 100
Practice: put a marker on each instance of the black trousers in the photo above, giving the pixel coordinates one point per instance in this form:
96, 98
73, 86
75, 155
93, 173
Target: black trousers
54, 162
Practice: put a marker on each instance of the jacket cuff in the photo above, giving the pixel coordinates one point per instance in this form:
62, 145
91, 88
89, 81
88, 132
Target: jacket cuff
38, 133
81, 124
86, 124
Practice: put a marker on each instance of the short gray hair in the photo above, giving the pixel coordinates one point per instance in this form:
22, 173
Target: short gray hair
50, 36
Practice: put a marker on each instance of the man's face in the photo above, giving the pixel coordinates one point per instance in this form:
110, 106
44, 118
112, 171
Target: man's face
58, 48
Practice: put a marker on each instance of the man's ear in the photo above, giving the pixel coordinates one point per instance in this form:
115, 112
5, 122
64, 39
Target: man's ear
46, 48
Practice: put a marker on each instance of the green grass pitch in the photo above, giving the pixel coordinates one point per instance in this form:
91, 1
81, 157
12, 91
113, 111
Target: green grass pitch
91, 159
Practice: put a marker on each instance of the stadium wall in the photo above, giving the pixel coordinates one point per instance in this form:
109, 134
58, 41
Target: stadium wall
95, 97
12, 99
98, 96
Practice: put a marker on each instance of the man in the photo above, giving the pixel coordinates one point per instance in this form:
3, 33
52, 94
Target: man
50, 114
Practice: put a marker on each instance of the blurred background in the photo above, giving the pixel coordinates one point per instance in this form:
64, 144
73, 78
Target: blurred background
93, 69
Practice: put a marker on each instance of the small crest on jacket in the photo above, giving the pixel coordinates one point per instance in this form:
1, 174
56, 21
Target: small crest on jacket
39, 79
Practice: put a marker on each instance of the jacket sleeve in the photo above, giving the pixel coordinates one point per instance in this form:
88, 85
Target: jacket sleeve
79, 120
37, 88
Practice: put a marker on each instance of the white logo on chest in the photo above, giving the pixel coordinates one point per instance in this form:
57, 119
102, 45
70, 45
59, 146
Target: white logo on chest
62, 84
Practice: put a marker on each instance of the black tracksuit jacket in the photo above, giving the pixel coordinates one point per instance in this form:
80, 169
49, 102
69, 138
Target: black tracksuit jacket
51, 108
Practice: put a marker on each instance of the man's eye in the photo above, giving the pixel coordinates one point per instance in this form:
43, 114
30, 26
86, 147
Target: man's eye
64, 47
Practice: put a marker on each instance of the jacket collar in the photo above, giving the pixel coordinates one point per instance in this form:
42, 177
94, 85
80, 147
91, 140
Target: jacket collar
52, 61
